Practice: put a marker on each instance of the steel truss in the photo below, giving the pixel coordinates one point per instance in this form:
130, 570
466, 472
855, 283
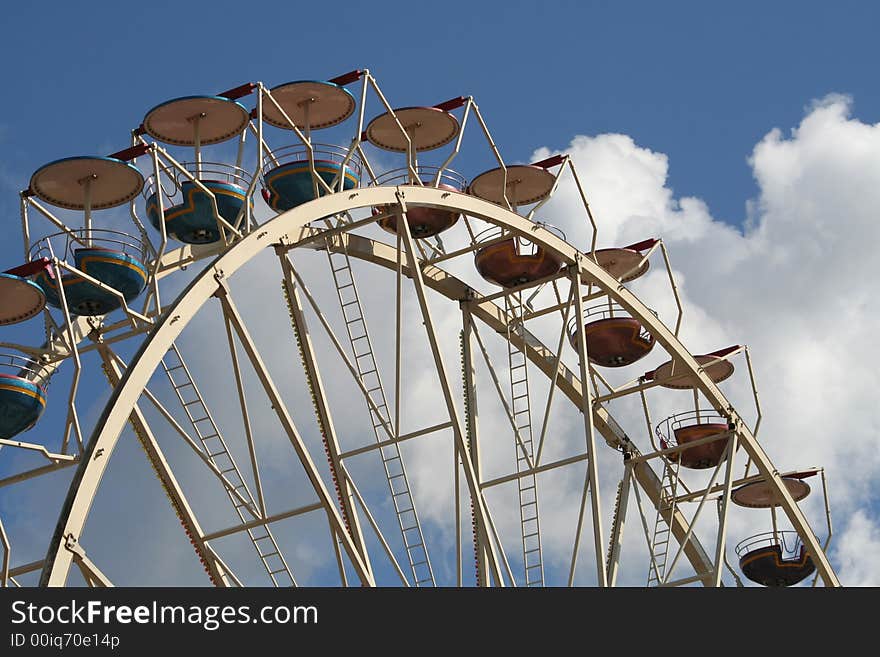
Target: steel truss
291, 229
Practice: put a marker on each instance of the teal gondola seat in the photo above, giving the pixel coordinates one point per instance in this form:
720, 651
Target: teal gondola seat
290, 184
21, 404
118, 270
193, 221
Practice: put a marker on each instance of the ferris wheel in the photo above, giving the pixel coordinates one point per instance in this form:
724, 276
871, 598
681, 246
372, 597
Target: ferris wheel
350, 364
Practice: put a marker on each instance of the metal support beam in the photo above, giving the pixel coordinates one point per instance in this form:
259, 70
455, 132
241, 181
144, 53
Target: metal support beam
618, 526
294, 222
457, 429
246, 422
163, 472
36, 472
683, 542
385, 443
722, 515
231, 313
260, 522
586, 406
7, 556
92, 574
472, 428
322, 410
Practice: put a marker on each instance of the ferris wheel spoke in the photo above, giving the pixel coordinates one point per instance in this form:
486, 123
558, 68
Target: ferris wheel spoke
618, 522
543, 358
340, 350
552, 389
473, 443
722, 512
579, 529
24, 569
653, 566
456, 487
590, 434
337, 552
322, 409
458, 431
36, 472
231, 313
714, 568
523, 452
264, 543
90, 572
526, 481
365, 372
7, 556
521, 413
225, 571
159, 463
693, 521
210, 439
246, 421
652, 486
492, 535
205, 459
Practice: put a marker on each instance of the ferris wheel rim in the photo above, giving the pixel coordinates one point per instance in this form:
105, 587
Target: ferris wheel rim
278, 230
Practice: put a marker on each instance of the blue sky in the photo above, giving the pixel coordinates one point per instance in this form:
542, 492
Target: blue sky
700, 84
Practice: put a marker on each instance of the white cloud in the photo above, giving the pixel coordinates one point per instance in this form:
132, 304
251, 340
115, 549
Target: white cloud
795, 285
857, 551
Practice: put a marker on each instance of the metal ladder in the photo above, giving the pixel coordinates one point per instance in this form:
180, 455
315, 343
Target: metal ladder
520, 408
662, 532
368, 372
113, 380
218, 453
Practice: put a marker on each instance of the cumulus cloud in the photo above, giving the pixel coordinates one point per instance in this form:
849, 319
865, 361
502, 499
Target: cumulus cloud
794, 283
857, 550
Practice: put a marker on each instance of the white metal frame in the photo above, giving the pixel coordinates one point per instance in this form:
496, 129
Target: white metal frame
410, 258
293, 222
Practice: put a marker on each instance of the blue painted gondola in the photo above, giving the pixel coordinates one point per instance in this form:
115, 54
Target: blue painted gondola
118, 270
290, 184
21, 404
198, 121
192, 221
309, 105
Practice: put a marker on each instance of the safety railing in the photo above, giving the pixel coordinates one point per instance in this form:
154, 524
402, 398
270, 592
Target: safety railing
427, 176
63, 245
665, 431
789, 542
607, 310
523, 245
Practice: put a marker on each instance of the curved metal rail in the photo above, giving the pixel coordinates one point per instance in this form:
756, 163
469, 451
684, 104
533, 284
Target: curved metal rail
290, 229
